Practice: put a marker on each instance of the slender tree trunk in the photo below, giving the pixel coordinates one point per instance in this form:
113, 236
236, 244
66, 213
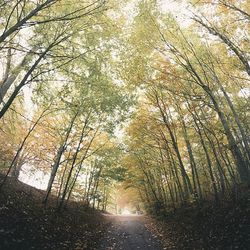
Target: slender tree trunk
209, 163
225, 39
196, 181
10, 78
14, 161
28, 74
239, 159
186, 181
80, 166
21, 22
73, 165
58, 159
237, 120
189, 67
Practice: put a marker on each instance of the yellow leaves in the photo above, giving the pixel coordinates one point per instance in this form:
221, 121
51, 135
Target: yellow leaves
102, 140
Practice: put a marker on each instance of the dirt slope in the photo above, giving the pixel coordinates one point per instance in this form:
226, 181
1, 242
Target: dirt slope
26, 224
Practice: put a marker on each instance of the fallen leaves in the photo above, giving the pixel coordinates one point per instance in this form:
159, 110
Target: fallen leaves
26, 224
225, 227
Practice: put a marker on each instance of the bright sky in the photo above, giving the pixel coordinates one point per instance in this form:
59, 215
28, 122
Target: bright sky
34, 177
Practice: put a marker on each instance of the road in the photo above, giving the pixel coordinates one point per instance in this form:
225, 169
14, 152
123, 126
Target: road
128, 233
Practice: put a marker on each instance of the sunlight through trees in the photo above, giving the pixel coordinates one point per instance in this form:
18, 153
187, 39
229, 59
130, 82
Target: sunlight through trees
125, 95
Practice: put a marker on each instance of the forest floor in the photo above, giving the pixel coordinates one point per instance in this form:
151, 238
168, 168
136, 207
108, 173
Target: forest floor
224, 227
26, 224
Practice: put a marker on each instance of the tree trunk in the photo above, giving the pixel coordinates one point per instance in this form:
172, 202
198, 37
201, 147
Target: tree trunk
56, 164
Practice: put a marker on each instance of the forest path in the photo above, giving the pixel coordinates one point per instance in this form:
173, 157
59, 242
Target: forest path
128, 232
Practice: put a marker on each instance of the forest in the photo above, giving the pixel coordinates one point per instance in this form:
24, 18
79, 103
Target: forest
125, 107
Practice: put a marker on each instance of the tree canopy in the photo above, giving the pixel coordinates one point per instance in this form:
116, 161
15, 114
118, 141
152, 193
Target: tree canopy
111, 97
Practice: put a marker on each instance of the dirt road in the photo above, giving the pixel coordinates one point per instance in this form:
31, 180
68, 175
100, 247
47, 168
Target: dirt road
128, 233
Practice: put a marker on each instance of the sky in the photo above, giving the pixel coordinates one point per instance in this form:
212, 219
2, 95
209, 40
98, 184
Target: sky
34, 177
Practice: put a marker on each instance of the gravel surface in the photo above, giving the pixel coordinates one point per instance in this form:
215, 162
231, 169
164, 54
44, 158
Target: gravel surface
128, 233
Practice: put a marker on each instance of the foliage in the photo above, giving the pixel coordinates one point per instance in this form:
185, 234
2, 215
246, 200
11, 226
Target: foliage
75, 75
